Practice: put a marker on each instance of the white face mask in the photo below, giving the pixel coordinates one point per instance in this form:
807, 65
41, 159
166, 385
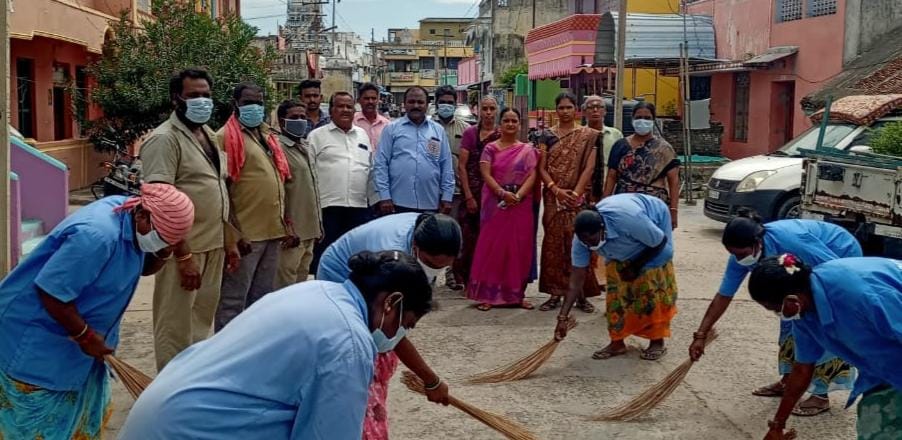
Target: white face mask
431, 273
751, 259
597, 246
151, 242
384, 344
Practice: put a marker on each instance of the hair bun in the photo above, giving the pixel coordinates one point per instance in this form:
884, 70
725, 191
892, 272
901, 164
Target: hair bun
364, 263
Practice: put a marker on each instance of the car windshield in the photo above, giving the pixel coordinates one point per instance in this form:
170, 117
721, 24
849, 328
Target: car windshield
834, 134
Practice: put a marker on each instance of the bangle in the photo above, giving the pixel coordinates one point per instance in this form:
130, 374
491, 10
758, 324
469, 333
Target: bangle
89, 333
434, 386
563, 318
500, 193
80, 334
184, 258
700, 335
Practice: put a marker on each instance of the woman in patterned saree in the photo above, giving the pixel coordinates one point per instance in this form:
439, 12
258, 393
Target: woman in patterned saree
472, 143
565, 166
645, 163
505, 249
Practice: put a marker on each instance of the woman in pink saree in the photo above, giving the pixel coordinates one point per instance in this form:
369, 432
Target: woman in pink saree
504, 251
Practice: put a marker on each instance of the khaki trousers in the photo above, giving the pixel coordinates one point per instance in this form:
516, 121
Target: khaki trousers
180, 317
294, 264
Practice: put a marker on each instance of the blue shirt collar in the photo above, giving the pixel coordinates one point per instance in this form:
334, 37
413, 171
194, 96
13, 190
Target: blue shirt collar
406, 120
359, 301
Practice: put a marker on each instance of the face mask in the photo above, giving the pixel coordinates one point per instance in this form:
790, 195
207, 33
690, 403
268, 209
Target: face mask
151, 242
643, 126
384, 344
750, 260
597, 246
431, 274
296, 127
783, 317
250, 115
198, 110
445, 111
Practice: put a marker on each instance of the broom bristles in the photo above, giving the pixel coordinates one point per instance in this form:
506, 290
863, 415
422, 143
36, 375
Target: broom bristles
133, 379
509, 429
654, 395
522, 368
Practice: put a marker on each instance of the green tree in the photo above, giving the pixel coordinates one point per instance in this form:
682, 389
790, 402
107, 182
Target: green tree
888, 139
132, 77
509, 77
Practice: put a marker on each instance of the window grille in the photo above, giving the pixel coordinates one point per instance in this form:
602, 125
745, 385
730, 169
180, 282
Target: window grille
741, 84
789, 10
817, 8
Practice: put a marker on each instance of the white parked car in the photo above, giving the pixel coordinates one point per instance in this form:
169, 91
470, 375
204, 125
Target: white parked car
769, 184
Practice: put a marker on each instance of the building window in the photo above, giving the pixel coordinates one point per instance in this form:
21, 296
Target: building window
427, 63
431, 31
699, 87
741, 84
789, 10
816, 8
503, 3
452, 63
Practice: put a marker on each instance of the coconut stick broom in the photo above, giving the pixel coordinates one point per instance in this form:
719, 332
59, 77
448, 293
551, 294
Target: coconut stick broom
653, 396
509, 429
133, 379
522, 368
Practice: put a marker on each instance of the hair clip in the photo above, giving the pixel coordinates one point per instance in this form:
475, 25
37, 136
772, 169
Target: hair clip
395, 256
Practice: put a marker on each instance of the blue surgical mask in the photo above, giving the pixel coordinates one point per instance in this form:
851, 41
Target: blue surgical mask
151, 242
296, 127
198, 110
643, 126
251, 115
445, 111
384, 344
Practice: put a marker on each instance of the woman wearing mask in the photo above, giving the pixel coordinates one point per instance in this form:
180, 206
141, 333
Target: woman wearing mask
565, 166
505, 250
645, 163
748, 241
434, 240
472, 144
296, 365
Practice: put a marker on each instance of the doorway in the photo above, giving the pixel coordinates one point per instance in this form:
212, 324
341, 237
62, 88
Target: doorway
782, 106
25, 96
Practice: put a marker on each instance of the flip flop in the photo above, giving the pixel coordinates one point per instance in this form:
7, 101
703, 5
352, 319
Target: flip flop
585, 306
551, 304
484, 307
772, 390
803, 410
653, 354
607, 353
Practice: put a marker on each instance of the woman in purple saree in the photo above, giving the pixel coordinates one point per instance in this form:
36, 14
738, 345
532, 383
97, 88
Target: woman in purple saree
504, 251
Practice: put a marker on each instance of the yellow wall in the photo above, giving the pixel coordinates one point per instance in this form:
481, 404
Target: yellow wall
456, 30
668, 88
654, 6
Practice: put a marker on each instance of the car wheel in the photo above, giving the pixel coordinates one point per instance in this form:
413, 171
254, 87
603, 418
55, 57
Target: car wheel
790, 208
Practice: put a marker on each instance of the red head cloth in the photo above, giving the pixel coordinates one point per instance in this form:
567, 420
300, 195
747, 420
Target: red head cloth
171, 211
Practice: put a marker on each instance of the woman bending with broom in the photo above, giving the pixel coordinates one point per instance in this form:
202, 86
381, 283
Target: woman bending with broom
61, 307
748, 240
295, 365
851, 307
633, 233
434, 239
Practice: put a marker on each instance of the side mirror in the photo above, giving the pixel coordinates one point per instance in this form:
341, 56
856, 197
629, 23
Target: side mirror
861, 149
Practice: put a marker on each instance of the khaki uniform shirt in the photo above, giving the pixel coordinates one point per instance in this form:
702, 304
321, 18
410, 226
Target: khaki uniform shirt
173, 155
258, 197
454, 130
301, 192
609, 136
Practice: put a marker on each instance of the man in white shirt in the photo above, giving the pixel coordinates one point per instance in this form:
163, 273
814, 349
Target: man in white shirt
344, 157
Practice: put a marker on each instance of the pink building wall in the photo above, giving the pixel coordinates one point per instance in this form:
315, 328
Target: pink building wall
745, 28
468, 71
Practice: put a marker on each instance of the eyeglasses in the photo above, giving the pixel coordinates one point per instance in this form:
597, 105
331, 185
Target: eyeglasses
594, 107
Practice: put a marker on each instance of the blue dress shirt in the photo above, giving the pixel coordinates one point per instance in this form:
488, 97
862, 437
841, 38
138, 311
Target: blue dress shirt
90, 260
633, 223
413, 166
392, 232
296, 365
815, 242
858, 316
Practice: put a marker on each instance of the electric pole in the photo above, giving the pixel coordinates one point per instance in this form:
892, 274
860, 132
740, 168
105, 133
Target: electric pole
5, 245
621, 59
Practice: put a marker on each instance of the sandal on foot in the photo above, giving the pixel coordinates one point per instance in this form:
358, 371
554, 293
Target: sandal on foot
484, 307
585, 306
526, 305
772, 390
812, 406
551, 304
653, 354
607, 353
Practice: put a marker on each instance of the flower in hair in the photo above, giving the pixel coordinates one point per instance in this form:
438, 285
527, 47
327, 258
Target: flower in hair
789, 262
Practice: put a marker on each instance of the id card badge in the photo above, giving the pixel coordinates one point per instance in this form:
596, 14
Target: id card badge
434, 147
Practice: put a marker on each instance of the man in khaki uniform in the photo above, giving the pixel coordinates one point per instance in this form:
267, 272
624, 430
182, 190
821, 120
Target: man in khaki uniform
181, 152
302, 209
257, 172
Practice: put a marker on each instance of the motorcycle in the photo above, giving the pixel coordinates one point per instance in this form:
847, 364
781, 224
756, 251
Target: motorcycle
123, 176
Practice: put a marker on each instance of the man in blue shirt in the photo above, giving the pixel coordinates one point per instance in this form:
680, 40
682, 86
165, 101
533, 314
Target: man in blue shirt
413, 167
851, 307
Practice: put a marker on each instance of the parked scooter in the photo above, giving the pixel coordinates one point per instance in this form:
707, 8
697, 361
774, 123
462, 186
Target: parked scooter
123, 173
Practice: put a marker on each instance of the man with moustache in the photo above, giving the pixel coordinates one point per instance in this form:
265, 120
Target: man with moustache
310, 94
368, 118
182, 152
413, 167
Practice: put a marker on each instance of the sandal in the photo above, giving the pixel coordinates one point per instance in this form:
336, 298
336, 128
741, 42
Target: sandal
484, 307
551, 304
585, 305
653, 354
772, 390
607, 353
526, 305
813, 406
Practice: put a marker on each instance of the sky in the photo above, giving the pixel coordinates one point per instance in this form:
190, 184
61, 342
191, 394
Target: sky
361, 16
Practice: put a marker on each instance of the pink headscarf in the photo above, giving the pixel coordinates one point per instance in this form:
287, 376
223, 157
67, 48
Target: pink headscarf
171, 211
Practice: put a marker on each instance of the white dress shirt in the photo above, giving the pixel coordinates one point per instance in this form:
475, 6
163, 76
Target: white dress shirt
343, 163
